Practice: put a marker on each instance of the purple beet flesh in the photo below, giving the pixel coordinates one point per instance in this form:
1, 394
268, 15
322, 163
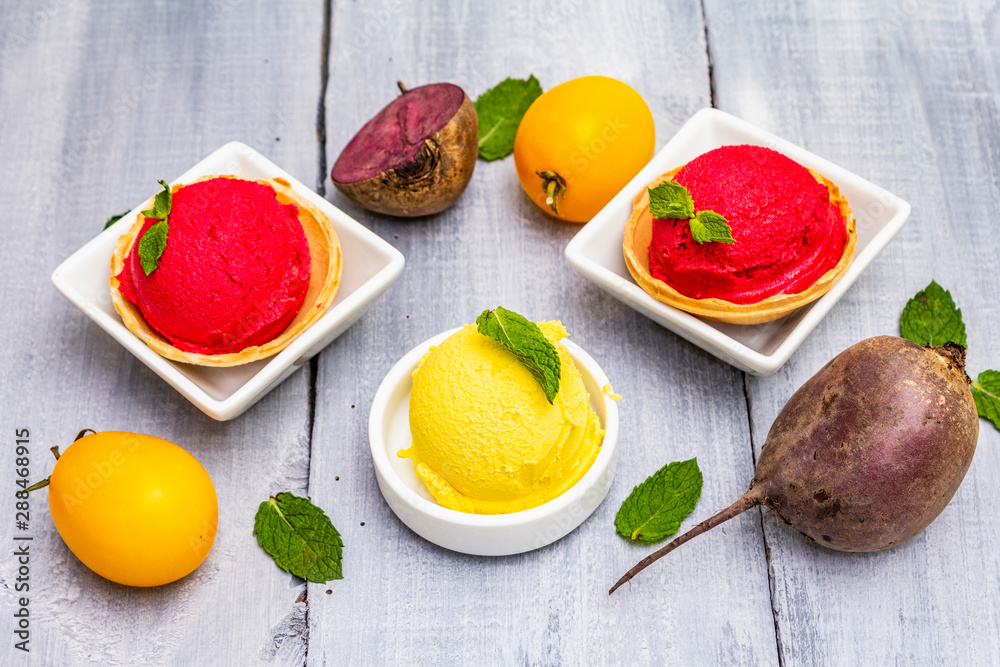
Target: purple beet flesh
415, 157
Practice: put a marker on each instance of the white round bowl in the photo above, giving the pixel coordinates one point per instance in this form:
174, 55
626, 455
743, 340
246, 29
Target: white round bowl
483, 534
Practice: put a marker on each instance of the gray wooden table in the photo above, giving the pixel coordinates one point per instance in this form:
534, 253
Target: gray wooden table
98, 100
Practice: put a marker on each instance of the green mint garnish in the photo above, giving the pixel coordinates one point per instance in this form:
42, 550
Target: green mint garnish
500, 110
709, 226
300, 537
527, 342
115, 218
931, 318
656, 508
161, 203
673, 200
986, 393
151, 246
154, 240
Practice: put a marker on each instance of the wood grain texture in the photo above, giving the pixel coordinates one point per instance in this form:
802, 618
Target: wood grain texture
96, 104
405, 600
905, 94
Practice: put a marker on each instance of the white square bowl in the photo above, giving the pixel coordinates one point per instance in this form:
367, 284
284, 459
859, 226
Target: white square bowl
370, 265
596, 250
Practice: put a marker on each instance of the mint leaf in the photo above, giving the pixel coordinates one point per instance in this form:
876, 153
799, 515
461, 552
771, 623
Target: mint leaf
151, 246
115, 218
671, 200
500, 110
527, 342
931, 318
986, 393
154, 241
300, 538
709, 226
656, 508
162, 203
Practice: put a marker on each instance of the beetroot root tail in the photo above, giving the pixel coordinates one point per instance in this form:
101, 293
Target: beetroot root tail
748, 500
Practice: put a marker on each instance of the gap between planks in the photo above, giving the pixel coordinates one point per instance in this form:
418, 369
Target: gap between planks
324, 69
760, 517
708, 57
746, 389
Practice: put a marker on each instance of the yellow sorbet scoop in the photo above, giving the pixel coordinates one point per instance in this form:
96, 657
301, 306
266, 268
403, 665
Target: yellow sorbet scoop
485, 438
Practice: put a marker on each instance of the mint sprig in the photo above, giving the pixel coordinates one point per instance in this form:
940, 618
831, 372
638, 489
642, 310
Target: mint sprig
500, 110
162, 203
300, 537
672, 200
154, 240
931, 318
986, 393
527, 342
656, 507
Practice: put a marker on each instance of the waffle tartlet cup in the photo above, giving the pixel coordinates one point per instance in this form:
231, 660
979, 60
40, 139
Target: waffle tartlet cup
638, 233
326, 264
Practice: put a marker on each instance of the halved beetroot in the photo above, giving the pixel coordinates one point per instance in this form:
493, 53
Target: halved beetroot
416, 156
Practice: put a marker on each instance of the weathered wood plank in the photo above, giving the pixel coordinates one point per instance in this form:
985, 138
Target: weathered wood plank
96, 103
905, 94
405, 600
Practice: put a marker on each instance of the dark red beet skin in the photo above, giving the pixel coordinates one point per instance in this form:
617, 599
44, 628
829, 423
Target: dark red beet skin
868, 452
397, 133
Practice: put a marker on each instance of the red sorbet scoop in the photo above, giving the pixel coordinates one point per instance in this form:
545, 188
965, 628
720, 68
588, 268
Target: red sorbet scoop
234, 273
787, 232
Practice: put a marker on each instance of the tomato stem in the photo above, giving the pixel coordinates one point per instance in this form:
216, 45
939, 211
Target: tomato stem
37, 485
55, 452
554, 186
81, 434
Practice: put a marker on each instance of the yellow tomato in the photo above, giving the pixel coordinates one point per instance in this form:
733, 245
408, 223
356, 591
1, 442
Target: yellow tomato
580, 143
135, 509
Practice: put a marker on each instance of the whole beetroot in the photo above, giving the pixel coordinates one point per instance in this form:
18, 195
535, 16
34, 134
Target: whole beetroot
867, 452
